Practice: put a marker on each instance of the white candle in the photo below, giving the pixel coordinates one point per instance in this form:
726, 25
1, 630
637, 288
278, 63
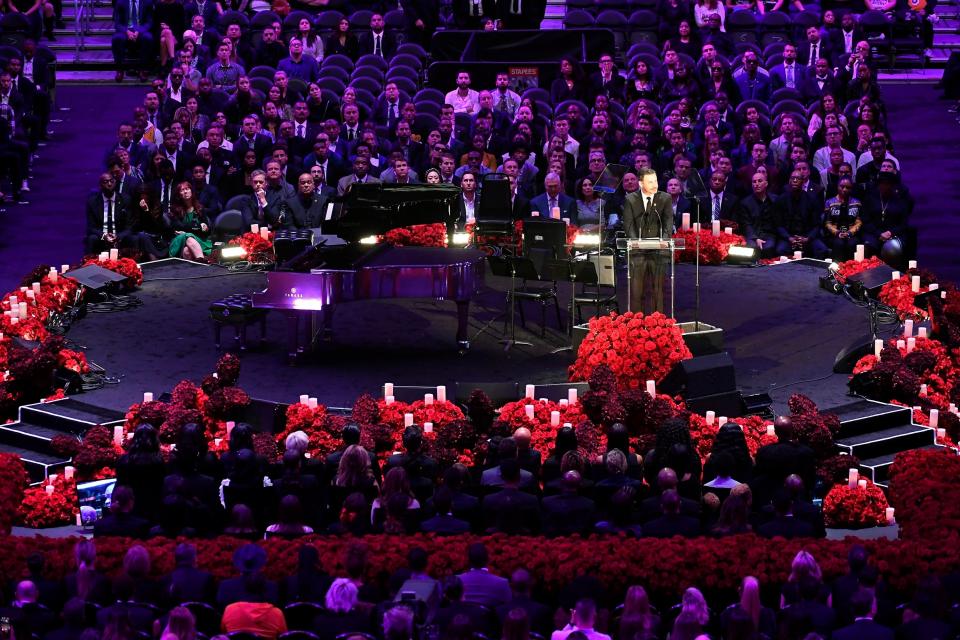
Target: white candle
564, 403
852, 478
922, 332
230, 425
408, 420
49, 489
915, 284
771, 430
441, 393
555, 213
568, 425
255, 228
652, 388
722, 420
32, 296
52, 478
711, 416
114, 254
68, 473
895, 275
216, 442
265, 233
387, 389
104, 256
572, 396
118, 435
14, 319
79, 520
529, 411
901, 344
934, 418
941, 433
36, 287
797, 255
696, 227
943, 295
52, 276
22, 310
953, 408
304, 398
312, 402
64, 268
716, 228
428, 399
907, 328
554, 418
862, 483
728, 230
147, 396
428, 427
933, 286
860, 252
530, 390
912, 264
911, 344
685, 222
890, 516
877, 347
544, 400
388, 400
923, 390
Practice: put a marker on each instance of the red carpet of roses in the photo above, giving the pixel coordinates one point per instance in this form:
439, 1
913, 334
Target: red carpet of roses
855, 508
713, 249
258, 248
418, 235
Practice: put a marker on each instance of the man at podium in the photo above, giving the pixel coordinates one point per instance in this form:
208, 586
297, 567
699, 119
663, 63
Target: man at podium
648, 214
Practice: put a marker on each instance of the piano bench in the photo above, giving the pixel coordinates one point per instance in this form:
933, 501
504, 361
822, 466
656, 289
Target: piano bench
238, 312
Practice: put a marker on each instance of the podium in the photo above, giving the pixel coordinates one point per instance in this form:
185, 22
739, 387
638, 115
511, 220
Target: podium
655, 247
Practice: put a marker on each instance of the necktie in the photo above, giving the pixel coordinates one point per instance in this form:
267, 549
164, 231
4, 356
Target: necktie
110, 215
393, 112
134, 13
300, 130
503, 104
349, 135
790, 76
553, 204
649, 204
716, 206
476, 9
376, 46
813, 54
165, 198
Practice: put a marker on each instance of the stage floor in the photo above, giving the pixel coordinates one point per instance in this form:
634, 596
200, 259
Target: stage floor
782, 331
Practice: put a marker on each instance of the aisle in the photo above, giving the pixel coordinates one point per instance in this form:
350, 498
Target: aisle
927, 143
50, 228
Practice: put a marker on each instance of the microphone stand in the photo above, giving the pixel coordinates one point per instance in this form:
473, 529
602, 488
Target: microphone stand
696, 285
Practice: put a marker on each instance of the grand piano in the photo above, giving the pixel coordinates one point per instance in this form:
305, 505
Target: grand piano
345, 270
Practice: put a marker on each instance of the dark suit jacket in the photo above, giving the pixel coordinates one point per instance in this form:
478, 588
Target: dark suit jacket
511, 511
388, 43
301, 215
811, 87
539, 615
189, 584
485, 588
729, 207
121, 15
803, 51
568, 206
821, 617
567, 514
657, 224
799, 215
381, 113
669, 525
924, 629
233, 590
788, 528
261, 146
778, 76
650, 508
122, 524
445, 525
613, 89
121, 214
863, 630
837, 43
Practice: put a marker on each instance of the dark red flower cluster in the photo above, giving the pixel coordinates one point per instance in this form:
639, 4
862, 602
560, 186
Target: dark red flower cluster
855, 508
899, 294
13, 479
852, 267
926, 495
90, 455
543, 428
41, 509
713, 249
124, 266
812, 427
258, 248
418, 235
323, 429
635, 347
73, 360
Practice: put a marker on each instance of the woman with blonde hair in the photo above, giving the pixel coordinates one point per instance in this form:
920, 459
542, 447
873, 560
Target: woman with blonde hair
638, 616
181, 625
762, 619
803, 569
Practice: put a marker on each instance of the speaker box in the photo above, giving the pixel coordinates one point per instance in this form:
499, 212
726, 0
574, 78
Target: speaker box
729, 404
873, 279
701, 376
847, 359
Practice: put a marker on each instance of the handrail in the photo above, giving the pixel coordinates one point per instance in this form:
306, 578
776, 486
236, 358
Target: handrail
83, 14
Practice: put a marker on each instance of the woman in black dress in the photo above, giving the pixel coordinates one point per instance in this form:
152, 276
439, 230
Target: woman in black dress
342, 42
570, 84
142, 469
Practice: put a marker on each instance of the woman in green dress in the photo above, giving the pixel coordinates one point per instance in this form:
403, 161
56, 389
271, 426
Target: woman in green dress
190, 225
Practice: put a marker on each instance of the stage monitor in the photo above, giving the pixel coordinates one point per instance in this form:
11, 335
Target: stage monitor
550, 235
95, 495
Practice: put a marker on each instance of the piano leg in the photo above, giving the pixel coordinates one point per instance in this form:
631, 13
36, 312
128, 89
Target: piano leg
293, 336
463, 317
327, 334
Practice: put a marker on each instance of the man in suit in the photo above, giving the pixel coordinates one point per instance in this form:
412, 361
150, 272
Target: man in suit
667, 481
271, 51
798, 220
752, 81
350, 436
479, 585
170, 149
470, 14
206, 192
421, 468
814, 48
361, 169
322, 156
606, 80
304, 132
519, 205
540, 616
121, 521
816, 616
845, 39
511, 510
568, 513
720, 204
672, 522
386, 111
108, 217
350, 130
648, 213
304, 210
444, 522
378, 41
756, 219
863, 605
493, 477
133, 28
788, 74
250, 138
821, 82
553, 198
187, 583
248, 560
785, 524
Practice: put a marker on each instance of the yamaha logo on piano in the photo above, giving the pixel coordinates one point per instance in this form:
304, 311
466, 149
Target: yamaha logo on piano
293, 293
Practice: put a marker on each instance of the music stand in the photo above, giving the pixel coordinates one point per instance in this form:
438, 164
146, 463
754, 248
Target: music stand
607, 184
494, 215
505, 266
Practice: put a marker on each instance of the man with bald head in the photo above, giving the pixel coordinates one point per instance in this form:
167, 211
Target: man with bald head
666, 481
507, 450
528, 457
568, 512
554, 198
539, 615
306, 209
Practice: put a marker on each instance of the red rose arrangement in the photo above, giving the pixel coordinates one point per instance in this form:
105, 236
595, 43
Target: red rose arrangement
927, 376
543, 432
322, 428
418, 235
440, 414
41, 509
754, 430
852, 267
924, 491
13, 479
75, 361
124, 266
637, 348
258, 248
855, 508
713, 249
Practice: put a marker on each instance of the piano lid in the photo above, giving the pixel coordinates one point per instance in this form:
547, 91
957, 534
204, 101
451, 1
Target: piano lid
373, 209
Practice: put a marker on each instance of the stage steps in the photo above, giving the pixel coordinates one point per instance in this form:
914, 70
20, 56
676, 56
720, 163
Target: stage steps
875, 432
30, 437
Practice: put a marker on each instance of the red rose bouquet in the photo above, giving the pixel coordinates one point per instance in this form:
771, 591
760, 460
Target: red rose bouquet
75, 361
543, 432
124, 266
418, 235
852, 267
323, 429
13, 479
855, 508
637, 348
925, 493
258, 248
713, 249
41, 509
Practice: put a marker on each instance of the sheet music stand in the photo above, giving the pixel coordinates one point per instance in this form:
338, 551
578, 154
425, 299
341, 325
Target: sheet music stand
653, 244
607, 184
494, 215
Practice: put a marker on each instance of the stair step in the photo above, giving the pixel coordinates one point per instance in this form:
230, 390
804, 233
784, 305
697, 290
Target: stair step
99, 14
37, 464
71, 409
97, 30
29, 436
77, 76
70, 44
861, 416
947, 40
884, 441
946, 25
878, 468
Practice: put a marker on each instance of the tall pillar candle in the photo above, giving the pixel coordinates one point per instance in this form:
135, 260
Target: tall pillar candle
922, 332
911, 344
255, 228
652, 388
941, 433
68, 473
387, 389
50, 489
934, 418
572, 396
312, 403
528, 409
710, 417
915, 284
852, 478
685, 222
716, 228
230, 425
148, 396
912, 264
722, 420
554, 418
114, 254
907, 328
36, 287
388, 400
265, 233
890, 516
895, 275
530, 390
408, 420
304, 399
441, 393
118, 435
877, 347
771, 430
428, 427
428, 399
52, 275
901, 344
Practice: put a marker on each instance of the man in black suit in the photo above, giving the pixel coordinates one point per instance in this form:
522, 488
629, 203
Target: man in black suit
774, 462
271, 51
479, 584
814, 48
672, 522
519, 204
304, 210
785, 524
170, 149
844, 587
798, 220
249, 560
386, 111
667, 481
810, 612
108, 217
606, 80
845, 39
250, 138
511, 510
470, 14
481, 619
863, 604
377, 41
187, 583
528, 457
121, 521
720, 204
207, 194
521, 14
304, 131
554, 198
133, 28
350, 435
420, 467
539, 616
821, 82
444, 522
648, 213
756, 218
568, 512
